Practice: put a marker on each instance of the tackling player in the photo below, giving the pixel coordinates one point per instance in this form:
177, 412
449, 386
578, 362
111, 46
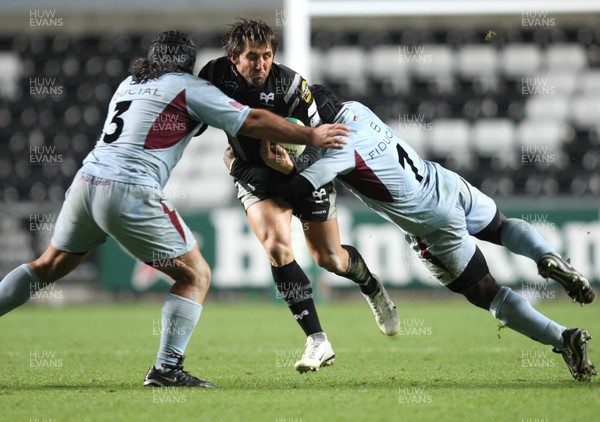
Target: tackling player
118, 191
249, 75
440, 211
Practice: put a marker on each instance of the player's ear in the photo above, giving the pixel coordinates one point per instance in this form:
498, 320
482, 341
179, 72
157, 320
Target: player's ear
234, 59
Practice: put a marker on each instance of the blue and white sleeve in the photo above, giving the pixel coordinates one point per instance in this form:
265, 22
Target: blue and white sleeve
208, 104
333, 162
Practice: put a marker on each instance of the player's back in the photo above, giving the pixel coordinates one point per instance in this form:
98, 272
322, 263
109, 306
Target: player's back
390, 177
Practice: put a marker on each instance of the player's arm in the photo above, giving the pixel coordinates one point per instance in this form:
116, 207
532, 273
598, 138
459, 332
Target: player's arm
263, 124
207, 104
321, 172
207, 72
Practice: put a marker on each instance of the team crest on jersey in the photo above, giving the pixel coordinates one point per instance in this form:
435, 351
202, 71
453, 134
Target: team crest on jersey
319, 195
306, 94
265, 98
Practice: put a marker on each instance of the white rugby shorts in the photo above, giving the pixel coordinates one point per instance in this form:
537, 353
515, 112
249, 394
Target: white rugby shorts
448, 250
139, 217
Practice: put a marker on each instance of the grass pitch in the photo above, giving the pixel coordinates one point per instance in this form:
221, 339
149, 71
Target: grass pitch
450, 362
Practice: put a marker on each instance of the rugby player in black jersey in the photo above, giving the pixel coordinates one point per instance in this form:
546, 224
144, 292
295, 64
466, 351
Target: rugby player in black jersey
249, 75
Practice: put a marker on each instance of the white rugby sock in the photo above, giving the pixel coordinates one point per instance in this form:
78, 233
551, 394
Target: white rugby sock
520, 237
17, 287
179, 318
515, 312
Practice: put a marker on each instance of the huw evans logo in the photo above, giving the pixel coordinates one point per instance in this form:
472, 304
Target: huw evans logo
44, 18
46, 87
537, 19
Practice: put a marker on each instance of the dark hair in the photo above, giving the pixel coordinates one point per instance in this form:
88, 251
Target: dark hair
245, 31
170, 51
328, 105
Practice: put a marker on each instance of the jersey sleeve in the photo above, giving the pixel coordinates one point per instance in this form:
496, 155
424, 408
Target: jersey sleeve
309, 156
333, 162
207, 104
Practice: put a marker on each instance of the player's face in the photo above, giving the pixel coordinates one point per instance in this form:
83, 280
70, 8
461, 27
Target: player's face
254, 64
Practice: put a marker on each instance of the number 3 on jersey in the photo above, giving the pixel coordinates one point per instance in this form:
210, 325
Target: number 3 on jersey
120, 108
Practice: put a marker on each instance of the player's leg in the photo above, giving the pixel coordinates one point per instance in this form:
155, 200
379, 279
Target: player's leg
270, 220
179, 317
75, 234
486, 222
18, 286
515, 312
148, 227
452, 255
323, 241
318, 214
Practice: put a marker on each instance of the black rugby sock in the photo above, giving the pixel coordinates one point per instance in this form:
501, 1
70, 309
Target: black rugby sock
294, 286
359, 272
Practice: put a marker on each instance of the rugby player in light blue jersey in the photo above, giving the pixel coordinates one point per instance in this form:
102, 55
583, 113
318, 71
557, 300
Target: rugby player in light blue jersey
440, 212
118, 191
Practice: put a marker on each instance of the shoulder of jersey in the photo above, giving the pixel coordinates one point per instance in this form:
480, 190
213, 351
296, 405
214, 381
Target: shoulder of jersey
282, 70
215, 66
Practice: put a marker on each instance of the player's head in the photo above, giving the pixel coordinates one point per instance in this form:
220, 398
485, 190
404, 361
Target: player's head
328, 105
174, 49
170, 51
251, 46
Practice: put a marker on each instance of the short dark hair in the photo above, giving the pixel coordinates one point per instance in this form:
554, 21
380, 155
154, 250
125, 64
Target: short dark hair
245, 31
170, 51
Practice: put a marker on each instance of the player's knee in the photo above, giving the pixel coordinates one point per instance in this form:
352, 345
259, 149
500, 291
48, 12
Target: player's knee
187, 271
45, 268
280, 253
482, 292
202, 280
328, 261
492, 233
198, 278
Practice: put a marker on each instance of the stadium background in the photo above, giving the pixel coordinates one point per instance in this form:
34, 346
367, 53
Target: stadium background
510, 99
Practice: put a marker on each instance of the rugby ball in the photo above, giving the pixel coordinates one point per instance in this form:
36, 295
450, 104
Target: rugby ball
294, 150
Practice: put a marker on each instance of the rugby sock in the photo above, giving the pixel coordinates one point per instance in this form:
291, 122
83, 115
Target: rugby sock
522, 238
359, 272
294, 286
178, 319
17, 288
515, 312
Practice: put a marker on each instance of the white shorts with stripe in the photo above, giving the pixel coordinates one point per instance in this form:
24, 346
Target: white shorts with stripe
139, 217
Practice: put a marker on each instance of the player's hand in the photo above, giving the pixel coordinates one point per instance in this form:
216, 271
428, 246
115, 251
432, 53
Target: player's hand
228, 158
276, 157
328, 136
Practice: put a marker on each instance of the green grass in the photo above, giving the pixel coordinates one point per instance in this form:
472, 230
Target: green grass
457, 369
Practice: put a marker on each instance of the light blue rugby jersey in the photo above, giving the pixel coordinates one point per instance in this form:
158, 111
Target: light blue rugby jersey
149, 125
387, 174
